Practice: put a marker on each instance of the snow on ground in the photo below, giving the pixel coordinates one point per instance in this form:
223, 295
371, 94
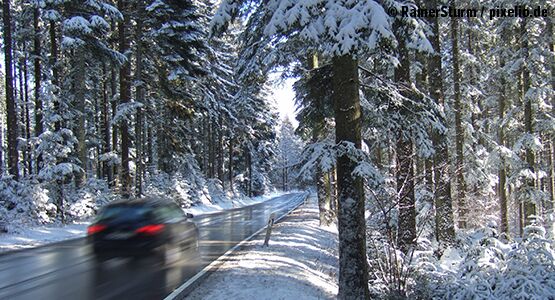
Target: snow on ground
300, 263
36, 236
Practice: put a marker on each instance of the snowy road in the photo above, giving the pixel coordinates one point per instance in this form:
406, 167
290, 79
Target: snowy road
67, 270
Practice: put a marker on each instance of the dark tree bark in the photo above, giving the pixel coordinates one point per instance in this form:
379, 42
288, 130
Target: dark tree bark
38, 80
353, 267
324, 198
107, 169
125, 91
445, 230
149, 143
249, 170
220, 165
551, 45
406, 228
529, 207
231, 164
13, 156
22, 112
80, 130
98, 94
54, 66
502, 175
139, 90
115, 129
28, 158
211, 149
459, 133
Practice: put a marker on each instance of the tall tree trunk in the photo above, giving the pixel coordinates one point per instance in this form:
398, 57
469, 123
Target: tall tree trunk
459, 133
55, 71
115, 129
333, 192
231, 165
38, 77
28, 160
58, 124
24, 110
13, 156
206, 146
80, 106
98, 94
445, 230
249, 170
321, 194
211, 149
107, 169
529, 206
139, 90
551, 43
502, 175
353, 266
125, 90
220, 166
502, 190
320, 176
406, 228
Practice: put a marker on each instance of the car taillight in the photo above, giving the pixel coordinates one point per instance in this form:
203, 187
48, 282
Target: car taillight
151, 229
95, 228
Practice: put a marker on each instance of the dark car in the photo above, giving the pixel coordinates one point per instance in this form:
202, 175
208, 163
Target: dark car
142, 227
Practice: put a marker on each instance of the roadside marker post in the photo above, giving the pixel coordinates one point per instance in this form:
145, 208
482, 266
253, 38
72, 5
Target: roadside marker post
269, 228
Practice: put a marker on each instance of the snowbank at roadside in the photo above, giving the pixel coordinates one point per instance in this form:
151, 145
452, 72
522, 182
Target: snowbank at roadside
301, 262
36, 236
220, 204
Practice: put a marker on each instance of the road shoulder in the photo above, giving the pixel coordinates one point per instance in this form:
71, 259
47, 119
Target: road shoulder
299, 263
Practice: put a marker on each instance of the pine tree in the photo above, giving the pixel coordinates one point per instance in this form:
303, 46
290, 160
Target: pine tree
13, 156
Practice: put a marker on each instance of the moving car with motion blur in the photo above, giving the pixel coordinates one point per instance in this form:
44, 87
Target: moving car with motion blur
142, 227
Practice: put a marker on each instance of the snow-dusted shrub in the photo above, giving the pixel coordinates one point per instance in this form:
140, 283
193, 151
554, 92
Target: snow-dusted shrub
493, 269
85, 202
388, 266
183, 189
25, 203
215, 189
260, 184
529, 271
29, 202
394, 274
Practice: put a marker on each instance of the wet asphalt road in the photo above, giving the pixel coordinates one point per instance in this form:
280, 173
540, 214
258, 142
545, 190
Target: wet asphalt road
67, 270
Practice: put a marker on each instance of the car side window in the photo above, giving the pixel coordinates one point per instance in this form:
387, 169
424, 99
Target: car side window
163, 214
169, 214
177, 212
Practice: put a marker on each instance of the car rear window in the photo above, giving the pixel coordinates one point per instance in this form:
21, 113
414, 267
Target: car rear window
124, 213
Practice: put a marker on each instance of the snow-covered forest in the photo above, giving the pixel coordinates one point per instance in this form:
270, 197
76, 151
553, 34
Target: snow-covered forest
430, 141
128, 98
